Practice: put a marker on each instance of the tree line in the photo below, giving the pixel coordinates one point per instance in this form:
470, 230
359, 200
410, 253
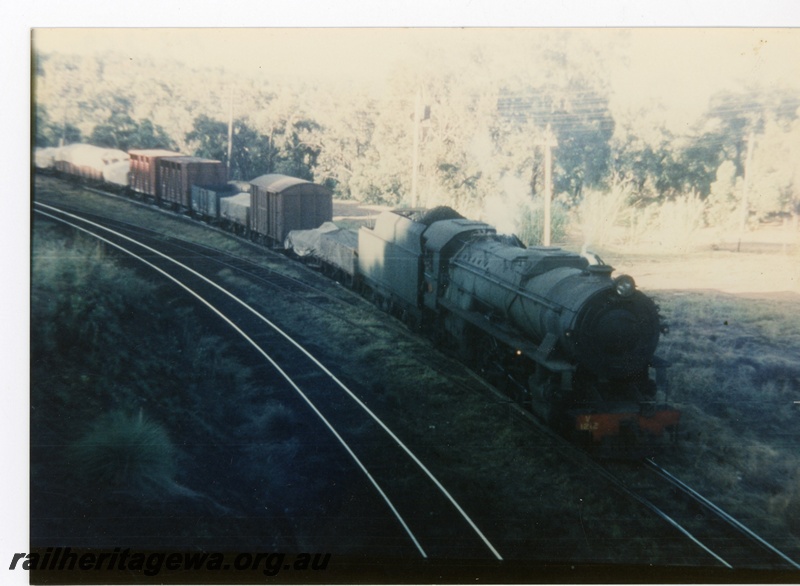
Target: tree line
472, 136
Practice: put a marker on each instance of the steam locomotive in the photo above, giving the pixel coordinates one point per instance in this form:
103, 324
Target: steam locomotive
553, 329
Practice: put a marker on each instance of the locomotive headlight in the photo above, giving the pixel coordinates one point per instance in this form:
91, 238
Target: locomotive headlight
624, 285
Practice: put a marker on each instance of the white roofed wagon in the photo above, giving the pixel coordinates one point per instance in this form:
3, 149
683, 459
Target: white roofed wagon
87, 161
45, 157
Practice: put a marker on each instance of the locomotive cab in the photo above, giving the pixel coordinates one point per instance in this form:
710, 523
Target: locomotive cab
442, 241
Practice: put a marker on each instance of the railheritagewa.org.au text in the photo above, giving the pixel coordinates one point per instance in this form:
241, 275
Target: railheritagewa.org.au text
64, 559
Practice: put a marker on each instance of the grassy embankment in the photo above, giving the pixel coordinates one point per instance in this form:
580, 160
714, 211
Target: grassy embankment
736, 374
148, 425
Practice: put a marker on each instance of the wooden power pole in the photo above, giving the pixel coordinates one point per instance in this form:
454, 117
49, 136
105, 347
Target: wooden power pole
745, 187
415, 154
548, 142
230, 133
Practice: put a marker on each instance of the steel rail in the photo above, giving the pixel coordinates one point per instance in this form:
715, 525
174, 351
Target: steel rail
582, 458
645, 502
261, 351
703, 501
322, 367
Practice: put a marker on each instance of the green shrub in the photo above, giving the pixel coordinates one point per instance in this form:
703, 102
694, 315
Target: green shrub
124, 453
530, 224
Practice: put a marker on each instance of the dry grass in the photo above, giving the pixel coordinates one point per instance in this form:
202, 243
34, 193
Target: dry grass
600, 212
613, 218
675, 224
736, 375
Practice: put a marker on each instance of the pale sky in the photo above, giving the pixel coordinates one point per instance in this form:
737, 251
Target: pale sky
679, 67
680, 64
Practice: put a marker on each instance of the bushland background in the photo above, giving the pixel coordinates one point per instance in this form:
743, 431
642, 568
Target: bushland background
661, 137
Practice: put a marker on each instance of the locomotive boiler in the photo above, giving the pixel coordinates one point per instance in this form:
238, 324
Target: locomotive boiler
604, 326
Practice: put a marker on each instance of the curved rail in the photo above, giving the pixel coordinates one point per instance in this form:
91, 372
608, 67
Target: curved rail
269, 359
292, 341
688, 534
707, 504
583, 459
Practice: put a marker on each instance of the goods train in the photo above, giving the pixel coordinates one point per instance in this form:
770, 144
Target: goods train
265, 209
551, 328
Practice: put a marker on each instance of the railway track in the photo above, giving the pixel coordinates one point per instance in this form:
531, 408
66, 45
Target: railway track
433, 521
721, 540
740, 545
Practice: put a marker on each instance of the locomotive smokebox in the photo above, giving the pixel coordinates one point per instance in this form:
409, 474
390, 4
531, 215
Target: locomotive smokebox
604, 325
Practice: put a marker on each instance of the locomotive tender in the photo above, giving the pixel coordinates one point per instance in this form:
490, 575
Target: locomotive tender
551, 328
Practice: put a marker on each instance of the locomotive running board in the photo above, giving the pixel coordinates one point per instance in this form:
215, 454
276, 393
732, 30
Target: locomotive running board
503, 333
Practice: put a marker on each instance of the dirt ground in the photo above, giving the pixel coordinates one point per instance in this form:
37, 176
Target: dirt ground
748, 274
765, 264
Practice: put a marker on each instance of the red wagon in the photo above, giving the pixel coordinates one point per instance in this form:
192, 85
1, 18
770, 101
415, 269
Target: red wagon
144, 176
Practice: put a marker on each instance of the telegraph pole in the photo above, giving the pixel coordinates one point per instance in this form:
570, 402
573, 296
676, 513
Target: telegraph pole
415, 155
230, 133
63, 138
745, 187
548, 142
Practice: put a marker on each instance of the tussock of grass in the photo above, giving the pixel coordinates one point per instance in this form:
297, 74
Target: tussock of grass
125, 453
